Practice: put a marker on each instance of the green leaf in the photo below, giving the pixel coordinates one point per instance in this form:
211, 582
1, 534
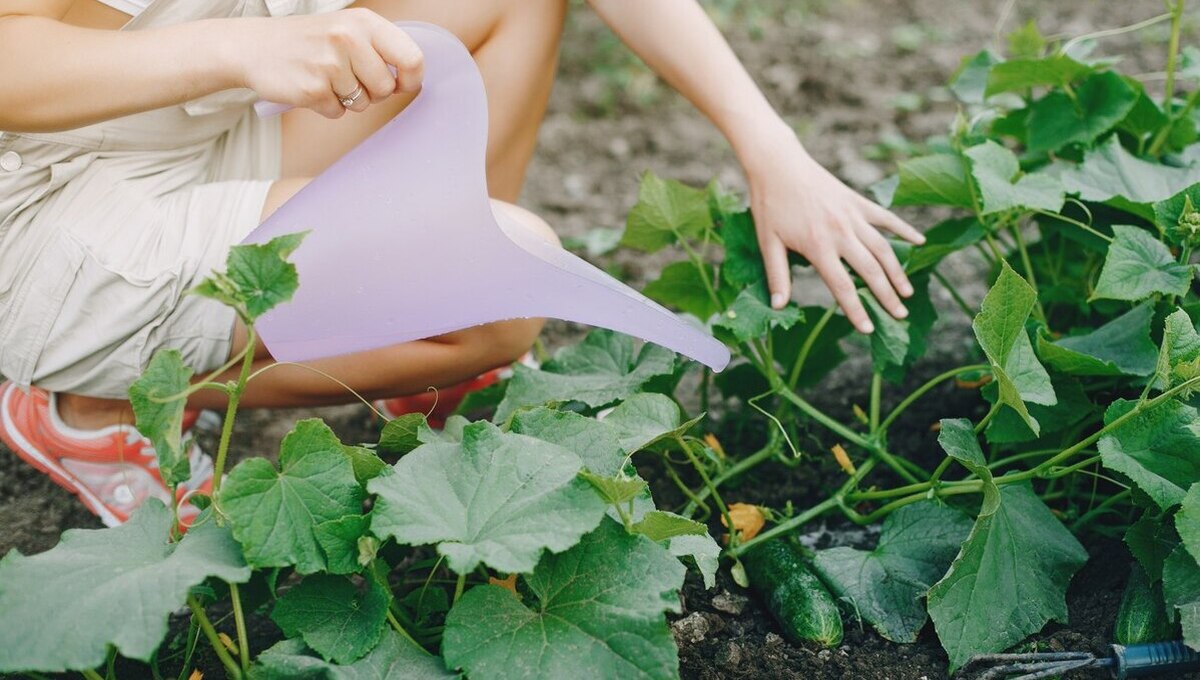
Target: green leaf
1181, 590
1026, 42
1187, 521
159, 420
645, 419
497, 498
602, 369
339, 540
751, 318
1167, 214
666, 210
595, 442
743, 265
1022, 74
886, 586
1179, 354
889, 342
257, 278
1158, 449
1120, 347
681, 286
393, 657
62, 609
969, 82
365, 463
1146, 117
402, 433
1109, 171
334, 617
958, 439
1150, 540
825, 354
702, 550
1138, 266
997, 173
617, 489
990, 599
598, 606
1000, 329
945, 237
1101, 102
657, 525
274, 512
939, 179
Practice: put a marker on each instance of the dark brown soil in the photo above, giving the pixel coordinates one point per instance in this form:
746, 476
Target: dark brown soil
845, 75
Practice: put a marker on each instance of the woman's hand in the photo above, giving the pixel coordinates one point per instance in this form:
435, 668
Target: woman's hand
313, 61
799, 205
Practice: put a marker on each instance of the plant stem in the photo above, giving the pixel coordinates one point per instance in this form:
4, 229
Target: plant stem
1028, 264
732, 471
404, 633
239, 621
923, 389
819, 416
786, 526
234, 671
1086, 227
962, 304
876, 395
694, 501
806, 348
235, 396
91, 674
459, 586
987, 418
716, 495
1087, 517
1169, 88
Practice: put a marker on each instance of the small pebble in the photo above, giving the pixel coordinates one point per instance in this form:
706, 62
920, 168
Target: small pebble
824, 655
772, 639
730, 656
619, 148
692, 628
729, 603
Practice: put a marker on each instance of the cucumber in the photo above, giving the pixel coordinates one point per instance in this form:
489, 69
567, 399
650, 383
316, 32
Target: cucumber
793, 594
1142, 616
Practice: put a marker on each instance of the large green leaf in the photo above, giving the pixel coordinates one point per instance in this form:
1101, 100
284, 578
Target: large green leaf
602, 369
1158, 449
334, 617
497, 498
598, 606
682, 286
1187, 521
257, 277
1008, 580
160, 420
1001, 187
969, 82
1101, 102
1169, 213
1022, 74
1138, 266
342, 542
1000, 329
939, 179
1109, 171
62, 609
592, 440
886, 586
743, 265
645, 419
666, 210
1072, 406
890, 340
1150, 540
1181, 590
751, 318
274, 512
1120, 347
393, 658
945, 237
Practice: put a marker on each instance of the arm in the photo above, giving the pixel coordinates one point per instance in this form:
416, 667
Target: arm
797, 204
54, 76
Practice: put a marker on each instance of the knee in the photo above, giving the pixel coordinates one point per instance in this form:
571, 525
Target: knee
514, 216
495, 344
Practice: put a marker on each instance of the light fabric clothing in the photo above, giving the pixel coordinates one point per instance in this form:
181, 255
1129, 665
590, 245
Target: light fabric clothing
104, 229
130, 7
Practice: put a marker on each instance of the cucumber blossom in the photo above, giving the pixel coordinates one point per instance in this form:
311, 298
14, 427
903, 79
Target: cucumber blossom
793, 594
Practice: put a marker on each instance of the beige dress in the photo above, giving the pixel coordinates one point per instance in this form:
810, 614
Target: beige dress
104, 229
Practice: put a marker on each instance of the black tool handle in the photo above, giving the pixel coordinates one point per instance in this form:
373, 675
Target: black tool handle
1156, 658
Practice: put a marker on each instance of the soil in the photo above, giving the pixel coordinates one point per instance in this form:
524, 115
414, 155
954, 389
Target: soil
845, 75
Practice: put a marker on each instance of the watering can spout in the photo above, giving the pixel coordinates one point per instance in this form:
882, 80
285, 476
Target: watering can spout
408, 209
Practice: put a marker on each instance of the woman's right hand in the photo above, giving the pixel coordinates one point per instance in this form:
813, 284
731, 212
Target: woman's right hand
312, 61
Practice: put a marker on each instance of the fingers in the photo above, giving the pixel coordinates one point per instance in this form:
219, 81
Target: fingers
882, 251
842, 286
372, 72
346, 86
871, 272
779, 274
401, 52
886, 219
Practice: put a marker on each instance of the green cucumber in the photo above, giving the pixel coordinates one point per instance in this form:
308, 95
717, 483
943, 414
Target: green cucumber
793, 594
1142, 616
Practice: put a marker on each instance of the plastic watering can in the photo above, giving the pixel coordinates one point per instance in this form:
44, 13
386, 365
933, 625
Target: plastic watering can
405, 246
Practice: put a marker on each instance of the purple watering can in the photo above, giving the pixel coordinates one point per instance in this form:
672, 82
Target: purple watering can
408, 210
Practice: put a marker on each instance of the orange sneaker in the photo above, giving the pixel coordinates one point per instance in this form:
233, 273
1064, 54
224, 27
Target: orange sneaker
112, 470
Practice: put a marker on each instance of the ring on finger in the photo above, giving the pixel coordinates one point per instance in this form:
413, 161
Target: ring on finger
350, 99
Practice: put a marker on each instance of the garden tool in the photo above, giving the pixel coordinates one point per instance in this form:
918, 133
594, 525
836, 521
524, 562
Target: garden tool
408, 210
1132, 661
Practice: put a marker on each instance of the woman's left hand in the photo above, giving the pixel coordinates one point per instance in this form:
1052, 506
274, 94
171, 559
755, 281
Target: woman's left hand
799, 205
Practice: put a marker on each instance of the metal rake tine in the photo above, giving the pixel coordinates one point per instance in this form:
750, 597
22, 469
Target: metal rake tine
1029, 657
1040, 670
